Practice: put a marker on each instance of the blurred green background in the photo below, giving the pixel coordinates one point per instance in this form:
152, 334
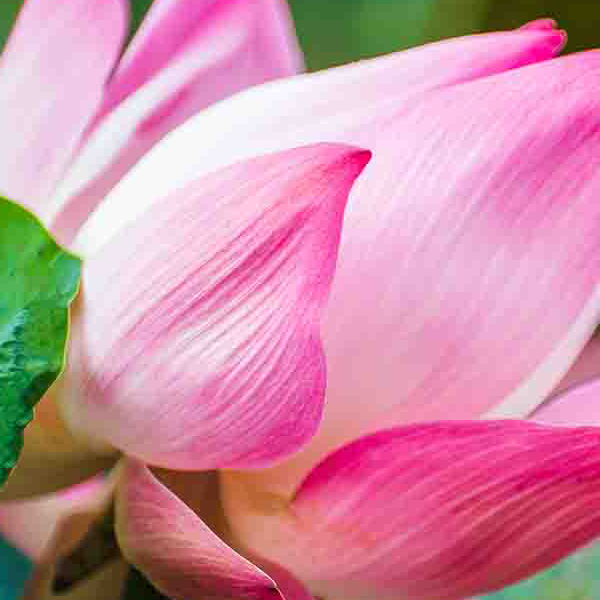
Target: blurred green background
337, 31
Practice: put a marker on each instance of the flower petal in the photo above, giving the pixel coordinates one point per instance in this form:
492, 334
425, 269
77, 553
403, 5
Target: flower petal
201, 321
477, 204
55, 48
30, 525
334, 105
435, 511
445, 288
187, 55
175, 549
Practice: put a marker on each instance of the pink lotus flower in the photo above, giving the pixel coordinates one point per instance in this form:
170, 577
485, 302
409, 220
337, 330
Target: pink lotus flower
465, 286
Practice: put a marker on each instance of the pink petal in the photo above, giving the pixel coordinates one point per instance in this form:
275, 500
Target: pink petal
435, 511
335, 105
31, 524
175, 549
187, 55
466, 293
200, 322
52, 77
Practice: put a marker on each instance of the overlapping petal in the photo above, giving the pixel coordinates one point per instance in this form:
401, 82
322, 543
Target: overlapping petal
187, 55
334, 105
478, 191
435, 511
55, 48
175, 549
200, 323
459, 266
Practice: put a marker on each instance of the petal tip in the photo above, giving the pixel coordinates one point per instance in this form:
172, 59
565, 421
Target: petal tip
555, 38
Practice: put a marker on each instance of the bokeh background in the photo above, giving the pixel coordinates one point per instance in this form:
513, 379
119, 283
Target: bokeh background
333, 32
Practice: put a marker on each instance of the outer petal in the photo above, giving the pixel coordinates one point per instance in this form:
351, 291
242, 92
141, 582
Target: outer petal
436, 511
468, 275
334, 105
201, 322
187, 55
55, 50
32, 524
173, 547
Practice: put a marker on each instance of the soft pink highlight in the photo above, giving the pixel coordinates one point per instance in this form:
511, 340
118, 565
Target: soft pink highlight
201, 322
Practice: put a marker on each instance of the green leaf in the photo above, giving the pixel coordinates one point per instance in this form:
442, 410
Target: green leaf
38, 281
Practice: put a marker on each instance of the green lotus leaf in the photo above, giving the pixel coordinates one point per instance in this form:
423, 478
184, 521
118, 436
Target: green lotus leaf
38, 281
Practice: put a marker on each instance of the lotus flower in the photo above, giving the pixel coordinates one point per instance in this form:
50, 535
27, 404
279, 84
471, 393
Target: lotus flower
238, 277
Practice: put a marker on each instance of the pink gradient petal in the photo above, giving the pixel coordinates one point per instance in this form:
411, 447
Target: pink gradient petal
30, 525
335, 105
435, 511
187, 55
444, 287
52, 76
175, 549
201, 322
